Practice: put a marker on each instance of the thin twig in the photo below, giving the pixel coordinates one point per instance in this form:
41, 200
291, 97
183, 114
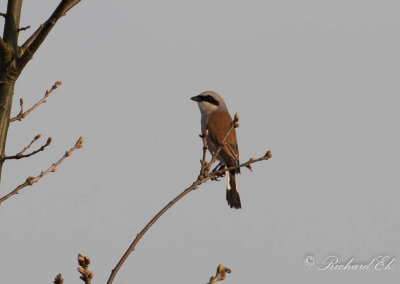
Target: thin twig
23, 114
23, 28
267, 156
144, 230
52, 168
83, 269
30, 144
203, 177
220, 275
3, 15
21, 155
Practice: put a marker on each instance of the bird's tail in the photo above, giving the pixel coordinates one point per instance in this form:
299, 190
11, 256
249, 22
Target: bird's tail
232, 194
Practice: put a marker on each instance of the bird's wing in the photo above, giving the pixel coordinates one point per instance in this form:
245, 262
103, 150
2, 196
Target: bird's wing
218, 125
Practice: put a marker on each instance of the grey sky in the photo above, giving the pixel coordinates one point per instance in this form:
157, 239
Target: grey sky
314, 81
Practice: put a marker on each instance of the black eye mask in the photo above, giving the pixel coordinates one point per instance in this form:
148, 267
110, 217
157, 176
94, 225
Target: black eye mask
209, 99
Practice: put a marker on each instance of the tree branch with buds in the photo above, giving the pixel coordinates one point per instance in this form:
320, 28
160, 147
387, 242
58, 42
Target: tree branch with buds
51, 169
203, 177
83, 269
14, 58
220, 275
21, 155
23, 114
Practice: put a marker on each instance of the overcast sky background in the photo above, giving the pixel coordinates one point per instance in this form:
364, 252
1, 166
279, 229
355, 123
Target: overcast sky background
317, 82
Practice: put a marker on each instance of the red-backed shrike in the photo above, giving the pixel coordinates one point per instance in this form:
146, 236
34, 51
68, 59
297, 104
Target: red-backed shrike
216, 119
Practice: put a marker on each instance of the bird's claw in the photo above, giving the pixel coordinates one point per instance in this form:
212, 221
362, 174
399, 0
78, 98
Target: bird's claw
217, 177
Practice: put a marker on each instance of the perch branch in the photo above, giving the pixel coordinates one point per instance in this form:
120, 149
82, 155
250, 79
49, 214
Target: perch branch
83, 269
21, 154
220, 275
267, 156
203, 177
144, 230
52, 168
21, 115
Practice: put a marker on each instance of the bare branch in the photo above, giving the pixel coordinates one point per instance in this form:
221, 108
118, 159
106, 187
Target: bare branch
23, 114
86, 275
203, 177
30, 144
52, 168
58, 279
21, 155
144, 230
220, 275
3, 15
23, 28
247, 164
33, 43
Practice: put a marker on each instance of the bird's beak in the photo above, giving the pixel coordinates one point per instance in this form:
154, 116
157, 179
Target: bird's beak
195, 98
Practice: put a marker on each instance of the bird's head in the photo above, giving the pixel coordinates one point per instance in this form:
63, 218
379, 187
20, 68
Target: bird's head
209, 101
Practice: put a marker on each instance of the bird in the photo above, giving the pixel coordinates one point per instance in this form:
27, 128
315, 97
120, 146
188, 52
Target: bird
216, 119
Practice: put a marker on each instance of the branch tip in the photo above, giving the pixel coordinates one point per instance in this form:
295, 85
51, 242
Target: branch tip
81, 259
48, 141
57, 84
236, 118
220, 275
23, 114
53, 168
86, 275
58, 279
